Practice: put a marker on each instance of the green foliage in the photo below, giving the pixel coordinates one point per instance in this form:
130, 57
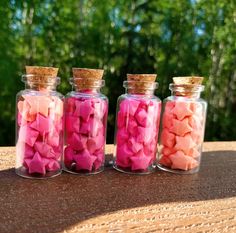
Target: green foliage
170, 38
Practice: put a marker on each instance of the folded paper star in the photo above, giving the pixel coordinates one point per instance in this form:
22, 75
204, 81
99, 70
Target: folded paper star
165, 161
122, 136
44, 149
139, 162
143, 118
77, 141
181, 110
84, 161
135, 146
167, 138
167, 120
99, 160
184, 143
181, 161
53, 138
145, 135
72, 123
129, 106
123, 154
180, 127
36, 164
132, 126
52, 165
95, 143
85, 109
68, 156
41, 124
27, 135
38, 104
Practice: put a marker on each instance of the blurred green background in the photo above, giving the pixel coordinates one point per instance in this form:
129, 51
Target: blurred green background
170, 38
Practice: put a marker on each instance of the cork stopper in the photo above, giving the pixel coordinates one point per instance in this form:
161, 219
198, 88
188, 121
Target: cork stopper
187, 86
188, 80
41, 77
87, 78
141, 83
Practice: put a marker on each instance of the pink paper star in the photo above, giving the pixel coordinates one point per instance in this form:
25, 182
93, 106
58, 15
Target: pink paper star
72, 123
41, 124
135, 146
38, 104
77, 141
36, 164
167, 138
85, 109
27, 135
129, 106
68, 156
140, 162
52, 165
84, 161
180, 127
44, 149
182, 110
122, 136
184, 143
123, 154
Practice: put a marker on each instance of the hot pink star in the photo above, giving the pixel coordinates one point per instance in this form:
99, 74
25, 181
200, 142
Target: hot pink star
180, 127
182, 110
140, 162
84, 161
36, 164
72, 123
41, 124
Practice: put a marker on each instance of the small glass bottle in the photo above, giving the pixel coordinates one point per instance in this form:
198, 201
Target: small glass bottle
39, 124
137, 125
183, 126
86, 110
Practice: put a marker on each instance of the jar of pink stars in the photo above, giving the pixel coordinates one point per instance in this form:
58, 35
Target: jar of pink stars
183, 126
137, 125
39, 124
86, 110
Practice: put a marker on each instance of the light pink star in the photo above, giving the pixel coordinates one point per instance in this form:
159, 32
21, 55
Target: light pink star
184, 143
180, 127
181, 110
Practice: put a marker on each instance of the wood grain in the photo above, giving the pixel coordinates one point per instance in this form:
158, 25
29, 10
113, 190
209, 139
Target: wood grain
116, 202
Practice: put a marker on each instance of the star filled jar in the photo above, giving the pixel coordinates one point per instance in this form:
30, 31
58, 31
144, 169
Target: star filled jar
39, 124
137, 125
183, 126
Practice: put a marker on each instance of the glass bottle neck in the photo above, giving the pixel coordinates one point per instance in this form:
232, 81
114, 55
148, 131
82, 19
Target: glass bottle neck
140, 93
187, 91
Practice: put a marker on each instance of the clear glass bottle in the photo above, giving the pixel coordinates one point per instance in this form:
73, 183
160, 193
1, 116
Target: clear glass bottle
137, 125
39, 124
86, 110
183, 126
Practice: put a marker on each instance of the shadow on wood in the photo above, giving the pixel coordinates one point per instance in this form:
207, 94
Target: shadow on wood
53, 205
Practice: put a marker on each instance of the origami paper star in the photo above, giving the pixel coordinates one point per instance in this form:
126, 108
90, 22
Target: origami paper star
122, 119
96, 126
197, 136
44, 149
194, 153
132, 126
53, 138
181, 110
184, 143
24, 110
135, 146
77, 141
139, 162
195, 123
180, 127
36, 164
84, 161
122, 136
167, 138
52, 165
167, 151
165, 161
38, 104
169, 106
99, 160
129, 106
143, 118
145, 135
123, 154
182, 162
72, 123
95, 143
85, 109
27, 135
167, 120
41, 124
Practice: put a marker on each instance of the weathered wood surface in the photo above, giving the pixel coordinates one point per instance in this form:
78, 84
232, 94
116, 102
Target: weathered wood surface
116, 202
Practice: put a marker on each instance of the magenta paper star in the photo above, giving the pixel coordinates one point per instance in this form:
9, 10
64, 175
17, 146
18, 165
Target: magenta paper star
84, 161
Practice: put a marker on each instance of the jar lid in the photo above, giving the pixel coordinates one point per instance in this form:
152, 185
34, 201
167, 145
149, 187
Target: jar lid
188, 80
87, 78
140, 83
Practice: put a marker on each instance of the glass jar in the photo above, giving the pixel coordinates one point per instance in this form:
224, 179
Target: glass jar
86, 110
39, 124
137, 125
183, 126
